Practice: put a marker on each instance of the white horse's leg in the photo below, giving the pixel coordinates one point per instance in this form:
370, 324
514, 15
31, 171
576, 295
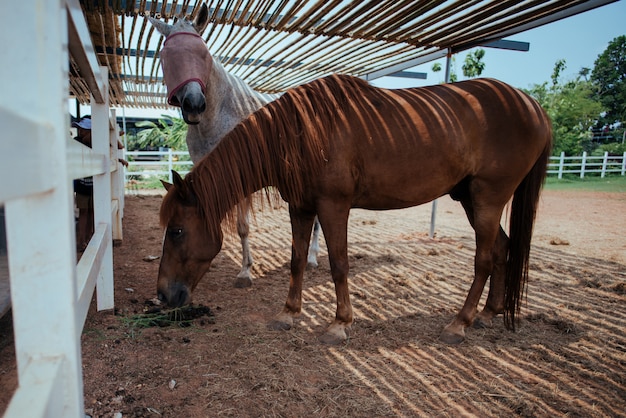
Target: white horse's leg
314, 248
244, 278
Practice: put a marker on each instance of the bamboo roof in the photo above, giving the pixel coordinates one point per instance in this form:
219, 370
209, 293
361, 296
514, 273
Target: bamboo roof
277, 44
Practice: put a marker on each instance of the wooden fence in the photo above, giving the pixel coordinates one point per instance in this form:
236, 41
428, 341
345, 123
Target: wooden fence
51, 291
588, 165
146, 164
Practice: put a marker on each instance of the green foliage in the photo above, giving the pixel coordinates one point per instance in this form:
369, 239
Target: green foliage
594, 100
614, 148
474, 65
572, 110
169, 132
609, 79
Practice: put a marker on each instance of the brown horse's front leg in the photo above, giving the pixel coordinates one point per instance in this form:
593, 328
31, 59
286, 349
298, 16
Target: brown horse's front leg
333, 217
301, 224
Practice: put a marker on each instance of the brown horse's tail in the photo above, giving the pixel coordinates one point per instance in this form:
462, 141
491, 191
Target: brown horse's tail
522, 219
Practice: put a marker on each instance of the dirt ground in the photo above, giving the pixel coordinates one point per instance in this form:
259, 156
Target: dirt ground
568, 357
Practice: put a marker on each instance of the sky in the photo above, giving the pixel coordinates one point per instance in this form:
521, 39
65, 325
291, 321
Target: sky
578, 40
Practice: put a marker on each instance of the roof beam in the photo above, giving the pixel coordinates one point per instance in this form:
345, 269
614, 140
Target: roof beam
82, 50
409, 74
405, 65
507, 44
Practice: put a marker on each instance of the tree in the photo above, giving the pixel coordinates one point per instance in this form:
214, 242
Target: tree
609, 80
437, 67
169, 132
474, 65
572, 109
559, 66
584, 73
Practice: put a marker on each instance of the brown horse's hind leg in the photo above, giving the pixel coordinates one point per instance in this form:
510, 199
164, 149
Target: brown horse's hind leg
301, 225
486, 223
495, 299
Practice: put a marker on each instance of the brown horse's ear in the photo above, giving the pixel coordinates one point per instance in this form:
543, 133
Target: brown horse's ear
167, 185
183, 190
178, 180
202, 19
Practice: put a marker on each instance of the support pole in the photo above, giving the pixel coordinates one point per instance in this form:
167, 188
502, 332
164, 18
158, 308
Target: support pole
433, 212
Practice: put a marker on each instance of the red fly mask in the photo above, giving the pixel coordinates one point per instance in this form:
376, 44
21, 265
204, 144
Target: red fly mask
184, 58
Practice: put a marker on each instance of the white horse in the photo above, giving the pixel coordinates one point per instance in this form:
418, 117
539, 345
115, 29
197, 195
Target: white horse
213, 102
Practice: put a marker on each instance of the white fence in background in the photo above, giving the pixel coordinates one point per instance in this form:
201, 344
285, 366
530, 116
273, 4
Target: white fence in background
587, 164
146, 164
50, 291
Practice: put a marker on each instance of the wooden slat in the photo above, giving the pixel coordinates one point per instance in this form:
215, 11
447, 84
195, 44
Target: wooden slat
40, 393
25, 145
373, 34
87, 271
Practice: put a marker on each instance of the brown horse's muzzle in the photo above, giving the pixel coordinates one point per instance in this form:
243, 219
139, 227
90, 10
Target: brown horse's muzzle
175, 294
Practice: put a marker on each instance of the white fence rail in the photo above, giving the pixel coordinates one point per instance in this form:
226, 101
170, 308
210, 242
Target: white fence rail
587, 164
146, 164
50, 291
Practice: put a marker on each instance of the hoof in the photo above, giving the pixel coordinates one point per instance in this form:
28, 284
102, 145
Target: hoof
332, 339
335, 334
482, 323
451, 338
276, 325
242, 282
311, 264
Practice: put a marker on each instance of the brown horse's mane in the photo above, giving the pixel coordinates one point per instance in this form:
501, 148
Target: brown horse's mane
283, 145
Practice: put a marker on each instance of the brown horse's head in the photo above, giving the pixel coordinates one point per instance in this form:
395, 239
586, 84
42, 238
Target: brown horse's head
186, 64
189, 245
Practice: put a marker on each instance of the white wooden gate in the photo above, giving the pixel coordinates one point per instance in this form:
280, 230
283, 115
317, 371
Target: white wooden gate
50, 292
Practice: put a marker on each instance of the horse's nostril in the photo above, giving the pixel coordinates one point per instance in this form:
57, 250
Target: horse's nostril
187, 105
194, 104
175, 296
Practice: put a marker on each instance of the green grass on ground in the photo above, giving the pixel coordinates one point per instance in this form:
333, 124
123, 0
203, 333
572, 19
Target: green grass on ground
612, 184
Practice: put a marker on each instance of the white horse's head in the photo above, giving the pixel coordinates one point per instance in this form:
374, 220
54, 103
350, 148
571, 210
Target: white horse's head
186, 64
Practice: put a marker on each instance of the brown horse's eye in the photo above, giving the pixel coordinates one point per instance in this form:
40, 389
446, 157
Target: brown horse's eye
174, 233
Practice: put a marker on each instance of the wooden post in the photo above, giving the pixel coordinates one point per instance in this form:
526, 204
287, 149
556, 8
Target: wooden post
604, 163
40, 222
101, 141
561, 163
433, 212
583, 163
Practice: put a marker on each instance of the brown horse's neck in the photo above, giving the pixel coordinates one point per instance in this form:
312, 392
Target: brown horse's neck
284, 145
233, 171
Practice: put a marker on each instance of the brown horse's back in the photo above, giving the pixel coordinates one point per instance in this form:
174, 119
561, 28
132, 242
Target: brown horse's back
480, 128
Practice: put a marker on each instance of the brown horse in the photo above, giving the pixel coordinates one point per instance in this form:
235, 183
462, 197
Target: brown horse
338, 143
